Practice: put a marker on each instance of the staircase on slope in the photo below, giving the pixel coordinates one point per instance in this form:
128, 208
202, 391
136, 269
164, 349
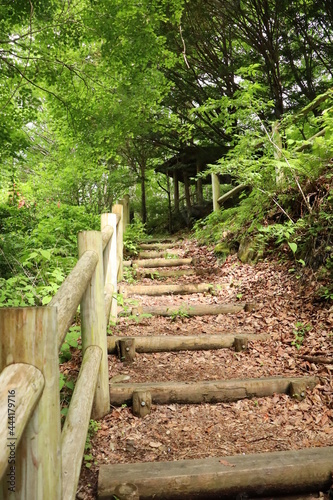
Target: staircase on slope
215, 477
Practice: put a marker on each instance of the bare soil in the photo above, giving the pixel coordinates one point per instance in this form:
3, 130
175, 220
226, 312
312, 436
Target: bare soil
286, 302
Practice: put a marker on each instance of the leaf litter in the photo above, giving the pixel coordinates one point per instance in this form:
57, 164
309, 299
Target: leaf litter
284, 305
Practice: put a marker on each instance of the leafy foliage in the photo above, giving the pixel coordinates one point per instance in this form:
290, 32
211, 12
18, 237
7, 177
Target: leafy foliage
134, 234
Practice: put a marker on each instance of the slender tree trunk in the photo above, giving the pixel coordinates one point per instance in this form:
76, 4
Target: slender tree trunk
143, 194
176, 191
169, 205
199, 187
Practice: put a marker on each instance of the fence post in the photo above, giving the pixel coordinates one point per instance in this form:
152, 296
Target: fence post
216, 192
29, 335
93, 324
119, 210
126, 212
110, 260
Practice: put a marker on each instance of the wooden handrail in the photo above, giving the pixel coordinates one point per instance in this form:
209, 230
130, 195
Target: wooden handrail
107, 233
21, 386
108, 296
69, 295
77, 420
231, 193
31, 338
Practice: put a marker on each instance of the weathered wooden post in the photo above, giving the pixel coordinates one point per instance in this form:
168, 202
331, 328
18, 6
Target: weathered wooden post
93, 323
119, 210
216, 192
241, 343
110, 261
141, 403
126, 349
29, 335
126, 211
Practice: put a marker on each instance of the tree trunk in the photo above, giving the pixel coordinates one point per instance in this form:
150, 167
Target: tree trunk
143, 194
176, 191
187, 196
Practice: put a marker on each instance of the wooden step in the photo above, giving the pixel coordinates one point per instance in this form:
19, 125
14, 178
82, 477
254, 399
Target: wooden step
187, 310
156, 290
159, 246
162, 262
223, 477
167, 273
164, 343
166, 239
151, 254
210, 391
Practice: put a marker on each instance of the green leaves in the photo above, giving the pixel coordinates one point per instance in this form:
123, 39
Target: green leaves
293, 247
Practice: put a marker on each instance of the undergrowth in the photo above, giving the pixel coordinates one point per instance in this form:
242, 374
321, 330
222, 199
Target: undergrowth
303, 237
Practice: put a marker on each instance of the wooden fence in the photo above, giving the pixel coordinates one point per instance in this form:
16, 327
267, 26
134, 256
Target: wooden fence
38, 460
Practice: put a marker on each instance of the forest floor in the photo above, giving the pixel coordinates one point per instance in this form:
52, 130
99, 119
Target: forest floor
286, 303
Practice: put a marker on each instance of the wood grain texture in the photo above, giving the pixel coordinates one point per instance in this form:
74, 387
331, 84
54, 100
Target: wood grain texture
29, 335
21, 386
93, 323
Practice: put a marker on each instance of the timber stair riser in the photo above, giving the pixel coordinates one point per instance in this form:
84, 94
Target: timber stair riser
157, 290
169, 241
195, 309
151, 254
167, 273
163, 262
165, 343
308, 470
159, 246
212, 391
220, 478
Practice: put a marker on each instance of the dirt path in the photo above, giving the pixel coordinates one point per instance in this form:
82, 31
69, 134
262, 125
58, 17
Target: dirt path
285, 303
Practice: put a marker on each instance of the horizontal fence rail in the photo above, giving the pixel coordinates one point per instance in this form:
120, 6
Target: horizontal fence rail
37, 459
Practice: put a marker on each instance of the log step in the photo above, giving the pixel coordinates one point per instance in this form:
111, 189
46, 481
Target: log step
156, 290
281, 472
211, 391
167, 273
159, 246
194, 309
151, 254
164, 343
162, 262
166, 239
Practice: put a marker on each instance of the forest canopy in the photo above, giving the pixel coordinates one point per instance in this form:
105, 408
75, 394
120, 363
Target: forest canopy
94, 96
